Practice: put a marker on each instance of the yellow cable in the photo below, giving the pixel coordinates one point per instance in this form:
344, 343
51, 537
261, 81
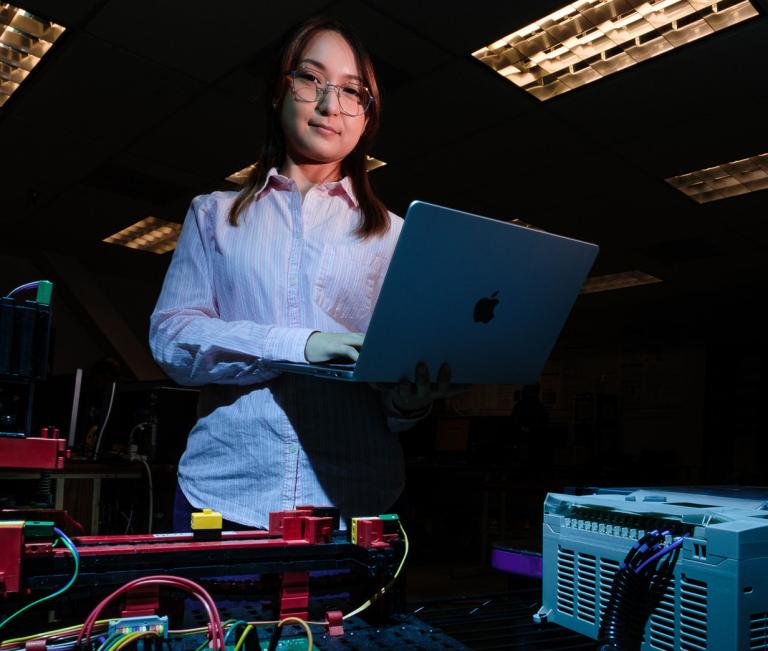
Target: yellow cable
300, 622
379, 593
47, 634
132, 637
242, 637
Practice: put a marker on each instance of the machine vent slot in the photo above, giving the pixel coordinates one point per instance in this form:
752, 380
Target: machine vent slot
693, 614
586, 582
758, 631
566, 579
608, 569
662, 620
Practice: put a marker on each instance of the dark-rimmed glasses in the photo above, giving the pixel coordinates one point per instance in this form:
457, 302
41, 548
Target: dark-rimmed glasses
310, 85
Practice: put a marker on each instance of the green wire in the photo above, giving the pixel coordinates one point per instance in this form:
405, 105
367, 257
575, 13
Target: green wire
108, 642
55, 594
115, 642
232, 628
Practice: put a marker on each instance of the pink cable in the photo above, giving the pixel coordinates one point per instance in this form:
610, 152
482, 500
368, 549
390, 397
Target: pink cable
179, 582
217, 630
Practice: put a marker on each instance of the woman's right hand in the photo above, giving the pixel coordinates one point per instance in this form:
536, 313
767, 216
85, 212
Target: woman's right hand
325, 346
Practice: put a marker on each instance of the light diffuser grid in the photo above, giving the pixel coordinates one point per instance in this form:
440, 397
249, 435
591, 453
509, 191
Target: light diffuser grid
24, 39
590, 39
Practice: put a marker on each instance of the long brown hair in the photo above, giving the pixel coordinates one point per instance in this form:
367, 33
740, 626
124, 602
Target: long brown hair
374, 219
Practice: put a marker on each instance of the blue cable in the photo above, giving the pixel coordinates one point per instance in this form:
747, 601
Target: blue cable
21, 288
663, 552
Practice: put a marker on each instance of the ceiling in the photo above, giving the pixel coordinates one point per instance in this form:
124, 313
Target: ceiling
142, 105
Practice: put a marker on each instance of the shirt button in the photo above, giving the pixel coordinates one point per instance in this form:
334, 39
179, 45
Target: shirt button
293, 447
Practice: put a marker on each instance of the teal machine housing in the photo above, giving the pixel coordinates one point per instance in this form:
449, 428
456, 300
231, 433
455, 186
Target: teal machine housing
717, 596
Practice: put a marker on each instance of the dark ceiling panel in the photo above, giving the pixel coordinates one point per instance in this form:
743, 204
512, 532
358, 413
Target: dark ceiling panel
390, 40
211, 137
39, 164
95, 91
464, 27
67, 14
201, 39
434, 111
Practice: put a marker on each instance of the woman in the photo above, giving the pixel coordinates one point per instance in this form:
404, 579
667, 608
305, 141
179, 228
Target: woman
289, 268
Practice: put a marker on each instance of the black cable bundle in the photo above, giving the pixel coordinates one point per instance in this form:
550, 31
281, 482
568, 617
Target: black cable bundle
637, 588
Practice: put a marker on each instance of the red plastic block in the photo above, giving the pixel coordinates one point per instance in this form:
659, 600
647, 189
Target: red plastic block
11, 541
32, 452
370, 533
317, 530
277, 518
142, 601
294, 595
293, 528
334, 621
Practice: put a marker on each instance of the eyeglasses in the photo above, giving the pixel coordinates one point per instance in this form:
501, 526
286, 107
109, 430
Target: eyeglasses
311, 86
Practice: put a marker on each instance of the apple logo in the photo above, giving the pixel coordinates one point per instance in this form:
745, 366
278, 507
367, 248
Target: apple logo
484, 308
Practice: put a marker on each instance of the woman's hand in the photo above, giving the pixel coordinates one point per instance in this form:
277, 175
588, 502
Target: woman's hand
325, 346
414, 397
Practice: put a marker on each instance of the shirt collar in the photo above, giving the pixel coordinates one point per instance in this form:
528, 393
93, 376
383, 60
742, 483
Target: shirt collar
277, 181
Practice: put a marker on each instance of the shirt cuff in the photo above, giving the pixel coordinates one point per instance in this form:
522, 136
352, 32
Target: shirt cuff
287, 344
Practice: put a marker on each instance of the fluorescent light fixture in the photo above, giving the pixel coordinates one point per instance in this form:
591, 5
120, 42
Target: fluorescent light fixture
241, 176
24, 39
590, 39
372, 163
150, 234
723, 181
617, 281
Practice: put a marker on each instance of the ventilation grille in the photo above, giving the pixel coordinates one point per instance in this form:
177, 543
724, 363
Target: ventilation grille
608, 569
662, 620
584, 584
566, 580
586, 587
693, 614
758, 631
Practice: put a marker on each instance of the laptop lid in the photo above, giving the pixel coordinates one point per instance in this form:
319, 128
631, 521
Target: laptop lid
488, 297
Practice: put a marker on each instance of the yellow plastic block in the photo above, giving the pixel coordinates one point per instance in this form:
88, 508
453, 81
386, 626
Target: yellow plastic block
206, 519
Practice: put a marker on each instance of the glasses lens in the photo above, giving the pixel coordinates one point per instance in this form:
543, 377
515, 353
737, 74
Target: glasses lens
307, 84
353, 99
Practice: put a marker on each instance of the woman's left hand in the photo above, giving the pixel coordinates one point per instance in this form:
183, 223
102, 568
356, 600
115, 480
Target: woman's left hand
414, 397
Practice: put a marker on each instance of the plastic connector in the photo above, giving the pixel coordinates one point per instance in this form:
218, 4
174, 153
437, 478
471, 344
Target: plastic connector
368, 532
38, 529
142, 624
44, 292
206, 520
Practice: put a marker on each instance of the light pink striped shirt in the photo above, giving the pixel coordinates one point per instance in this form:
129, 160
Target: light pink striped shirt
234, 296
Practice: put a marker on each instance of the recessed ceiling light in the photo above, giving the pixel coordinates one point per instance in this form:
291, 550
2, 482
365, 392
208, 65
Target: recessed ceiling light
241, 176
24, 39
150, 234
726, 180
617, 281
590, 39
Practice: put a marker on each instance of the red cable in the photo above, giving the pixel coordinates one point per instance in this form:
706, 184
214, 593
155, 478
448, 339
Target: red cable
217, 631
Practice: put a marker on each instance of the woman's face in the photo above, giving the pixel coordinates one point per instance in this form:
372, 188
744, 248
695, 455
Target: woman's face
318, 132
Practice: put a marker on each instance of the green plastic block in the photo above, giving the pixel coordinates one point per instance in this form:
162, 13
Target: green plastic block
38, 529
44, 291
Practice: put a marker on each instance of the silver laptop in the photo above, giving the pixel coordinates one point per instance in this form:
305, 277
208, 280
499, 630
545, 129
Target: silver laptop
488, 297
